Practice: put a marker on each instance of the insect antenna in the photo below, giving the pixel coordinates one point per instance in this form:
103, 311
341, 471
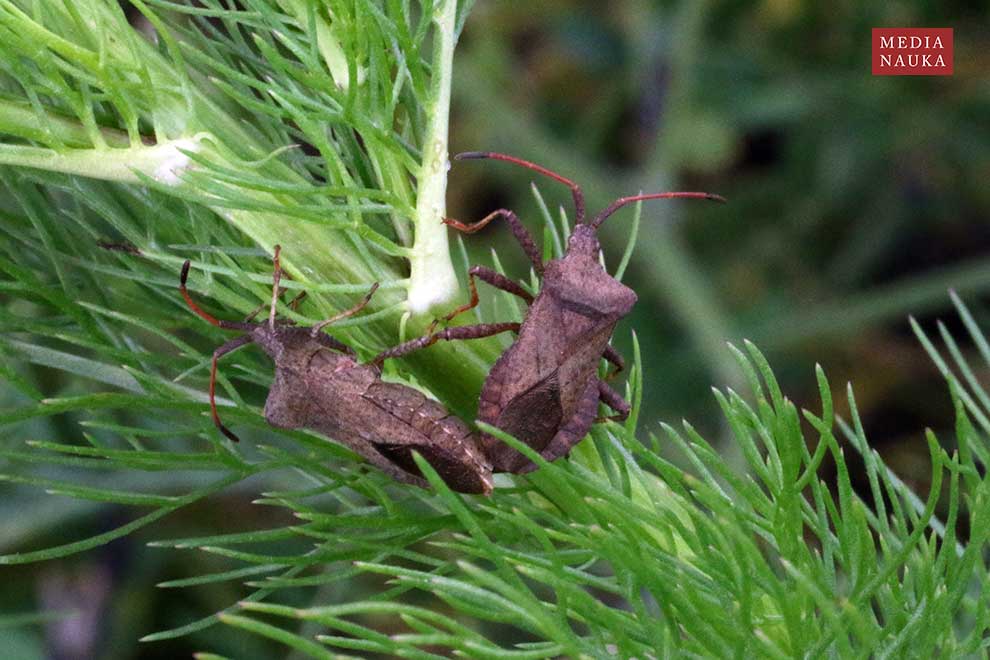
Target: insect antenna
622, 201
575, 188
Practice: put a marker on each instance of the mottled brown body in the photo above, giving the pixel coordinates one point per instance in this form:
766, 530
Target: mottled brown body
318, 388
544, 389
320, 385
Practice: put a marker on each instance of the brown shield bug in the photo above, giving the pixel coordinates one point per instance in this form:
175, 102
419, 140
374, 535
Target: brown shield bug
544, 389
320, 385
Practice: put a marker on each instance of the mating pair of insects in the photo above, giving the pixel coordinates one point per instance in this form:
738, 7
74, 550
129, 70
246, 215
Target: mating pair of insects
543, 390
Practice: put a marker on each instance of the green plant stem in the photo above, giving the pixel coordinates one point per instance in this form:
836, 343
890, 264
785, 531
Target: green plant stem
163, 162
432, 283
21, 120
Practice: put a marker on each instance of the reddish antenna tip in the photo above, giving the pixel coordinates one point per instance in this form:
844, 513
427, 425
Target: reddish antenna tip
472, 155
185, 273
716, 198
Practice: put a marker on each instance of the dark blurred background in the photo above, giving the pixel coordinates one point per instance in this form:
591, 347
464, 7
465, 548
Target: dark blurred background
854, 201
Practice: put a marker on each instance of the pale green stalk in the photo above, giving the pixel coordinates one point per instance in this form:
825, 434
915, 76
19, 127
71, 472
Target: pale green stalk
432, 283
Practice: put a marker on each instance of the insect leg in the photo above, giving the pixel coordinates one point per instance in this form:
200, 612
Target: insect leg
293, 304
518, 230
613, 356
276, 277
487, 275
613, 400
297, 300
448, 334
315, 330
230, 346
